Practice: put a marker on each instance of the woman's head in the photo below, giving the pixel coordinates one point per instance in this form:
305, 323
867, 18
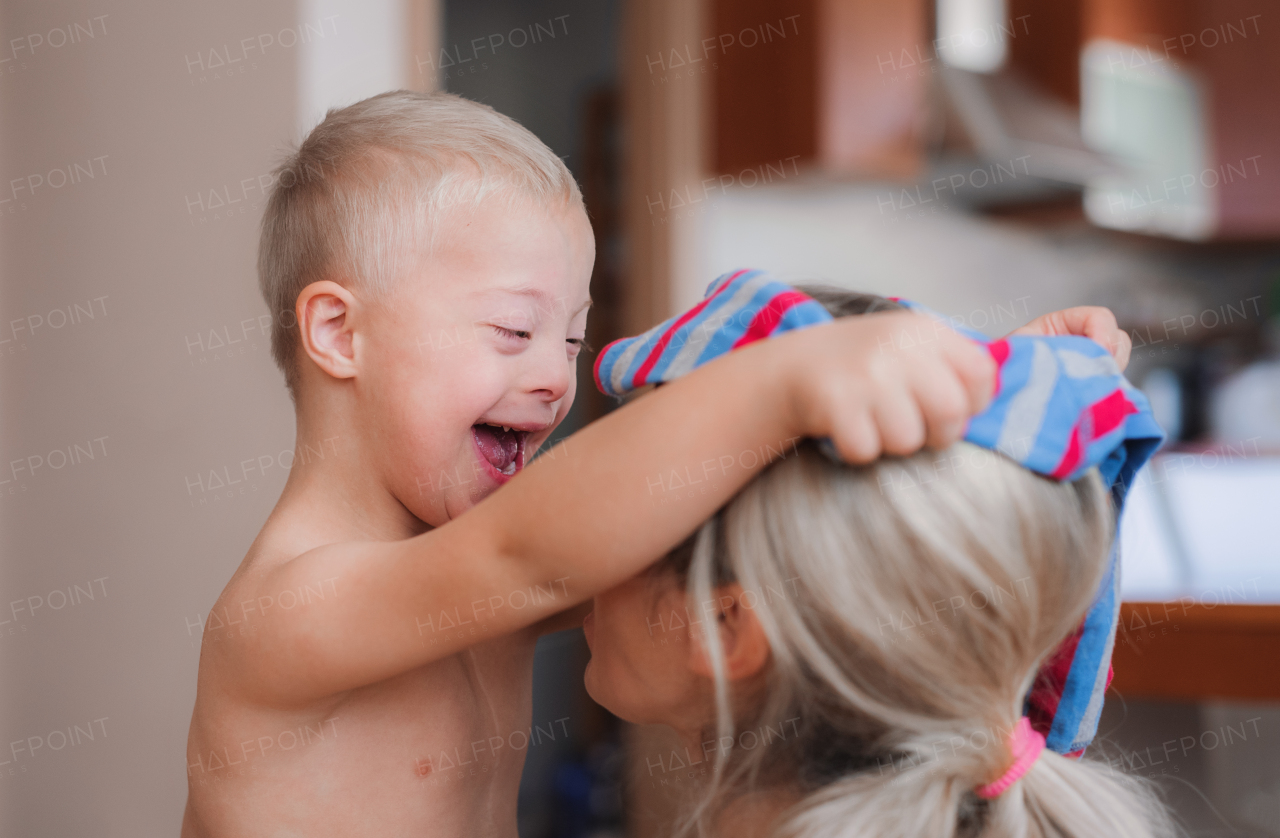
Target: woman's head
889, 620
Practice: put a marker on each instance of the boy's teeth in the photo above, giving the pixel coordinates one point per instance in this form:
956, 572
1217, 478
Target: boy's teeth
500, 446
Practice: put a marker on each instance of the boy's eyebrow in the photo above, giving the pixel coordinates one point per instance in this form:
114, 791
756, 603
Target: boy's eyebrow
544, 300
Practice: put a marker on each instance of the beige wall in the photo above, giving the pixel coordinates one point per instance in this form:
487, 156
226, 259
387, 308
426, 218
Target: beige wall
158, 277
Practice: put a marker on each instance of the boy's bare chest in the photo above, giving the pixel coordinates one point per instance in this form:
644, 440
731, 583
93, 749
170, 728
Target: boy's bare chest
446, 742
468, 715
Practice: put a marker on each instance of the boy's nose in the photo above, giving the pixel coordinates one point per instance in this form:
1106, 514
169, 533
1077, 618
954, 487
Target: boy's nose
550, 373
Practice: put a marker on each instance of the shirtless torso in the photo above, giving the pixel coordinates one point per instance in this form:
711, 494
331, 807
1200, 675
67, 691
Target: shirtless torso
435, 750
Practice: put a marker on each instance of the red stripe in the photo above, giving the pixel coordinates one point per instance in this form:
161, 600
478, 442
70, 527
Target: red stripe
1099, 419
1071, 458
1050, 683
1108, 413
595, 368
766, 319
1000, 352
656, 353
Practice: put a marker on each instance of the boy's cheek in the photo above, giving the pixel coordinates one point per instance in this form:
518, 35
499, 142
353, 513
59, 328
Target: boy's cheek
567, 402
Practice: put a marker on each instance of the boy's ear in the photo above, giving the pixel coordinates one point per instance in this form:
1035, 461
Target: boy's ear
746, 649
326, 328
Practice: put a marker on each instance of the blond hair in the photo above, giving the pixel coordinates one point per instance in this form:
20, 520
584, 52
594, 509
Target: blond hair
367, 192
900, 707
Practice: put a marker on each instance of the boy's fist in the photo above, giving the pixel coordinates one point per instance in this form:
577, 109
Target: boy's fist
1095, 322
885, 383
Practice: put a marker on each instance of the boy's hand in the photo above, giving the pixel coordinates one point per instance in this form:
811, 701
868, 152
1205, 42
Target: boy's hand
1095, 322
885, 383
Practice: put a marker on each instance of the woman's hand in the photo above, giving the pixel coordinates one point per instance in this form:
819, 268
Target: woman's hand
1094, 322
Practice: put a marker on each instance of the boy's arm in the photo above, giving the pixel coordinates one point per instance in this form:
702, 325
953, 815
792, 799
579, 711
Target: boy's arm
566, 619
620, 493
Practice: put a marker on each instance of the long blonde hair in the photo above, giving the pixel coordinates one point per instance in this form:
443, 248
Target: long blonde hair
923, 594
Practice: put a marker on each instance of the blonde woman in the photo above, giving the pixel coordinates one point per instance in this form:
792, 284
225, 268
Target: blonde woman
850, 651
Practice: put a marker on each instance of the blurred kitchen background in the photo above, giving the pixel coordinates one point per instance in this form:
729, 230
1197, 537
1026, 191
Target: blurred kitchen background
993, 159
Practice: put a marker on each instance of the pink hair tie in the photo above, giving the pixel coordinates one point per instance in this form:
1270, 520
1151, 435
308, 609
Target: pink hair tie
1026, 745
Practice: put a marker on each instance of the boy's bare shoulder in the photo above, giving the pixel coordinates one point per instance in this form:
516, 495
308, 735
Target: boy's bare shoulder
260, 590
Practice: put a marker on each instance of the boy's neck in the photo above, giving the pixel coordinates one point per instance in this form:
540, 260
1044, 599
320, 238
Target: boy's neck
334, 489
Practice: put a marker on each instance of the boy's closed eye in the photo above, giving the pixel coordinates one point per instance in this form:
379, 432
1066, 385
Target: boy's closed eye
578, 344
515, 334
525, 334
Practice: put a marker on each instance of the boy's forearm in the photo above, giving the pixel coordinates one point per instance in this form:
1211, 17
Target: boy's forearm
626, 489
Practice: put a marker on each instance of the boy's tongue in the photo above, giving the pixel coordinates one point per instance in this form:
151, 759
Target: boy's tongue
499, 447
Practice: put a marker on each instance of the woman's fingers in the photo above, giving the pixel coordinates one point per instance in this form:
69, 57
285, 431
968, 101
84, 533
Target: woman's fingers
1122, 349
1097, 323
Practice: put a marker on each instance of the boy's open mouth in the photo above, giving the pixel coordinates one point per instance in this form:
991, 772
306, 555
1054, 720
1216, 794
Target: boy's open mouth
502, 447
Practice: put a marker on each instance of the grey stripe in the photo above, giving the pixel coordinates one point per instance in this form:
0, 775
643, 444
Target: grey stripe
1078, 365
702, 334
1026, 412
623, 363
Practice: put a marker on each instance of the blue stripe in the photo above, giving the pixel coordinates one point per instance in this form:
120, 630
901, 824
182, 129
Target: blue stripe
740, 321
984, 429
605, 373
650, 340
713, 309
1093, 654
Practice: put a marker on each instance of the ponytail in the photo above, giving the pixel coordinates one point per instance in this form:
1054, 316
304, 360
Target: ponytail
931, 792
